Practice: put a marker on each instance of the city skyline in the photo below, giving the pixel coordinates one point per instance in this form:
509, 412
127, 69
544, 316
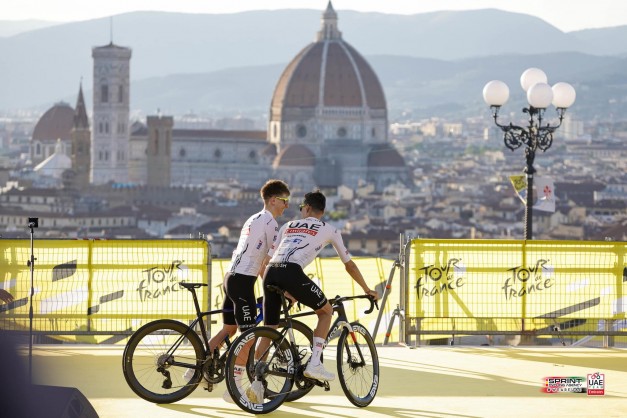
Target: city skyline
565, 15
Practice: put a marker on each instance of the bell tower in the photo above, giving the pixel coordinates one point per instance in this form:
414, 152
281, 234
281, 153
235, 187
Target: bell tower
111, 134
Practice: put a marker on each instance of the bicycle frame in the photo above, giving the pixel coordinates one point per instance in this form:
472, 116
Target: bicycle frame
340, 323
199, 320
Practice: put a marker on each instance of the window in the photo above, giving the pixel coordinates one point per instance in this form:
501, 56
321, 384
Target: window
341, 132
120, 94
301, 131
104, 93
217, 154
182, 153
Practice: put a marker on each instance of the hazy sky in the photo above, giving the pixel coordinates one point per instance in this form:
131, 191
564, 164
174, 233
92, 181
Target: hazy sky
566, 15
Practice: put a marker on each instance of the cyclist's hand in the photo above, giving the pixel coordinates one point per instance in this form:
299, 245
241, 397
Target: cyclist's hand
373, 294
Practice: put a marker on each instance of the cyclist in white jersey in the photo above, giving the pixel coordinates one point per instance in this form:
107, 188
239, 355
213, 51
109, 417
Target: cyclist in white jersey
249, 260
300, 242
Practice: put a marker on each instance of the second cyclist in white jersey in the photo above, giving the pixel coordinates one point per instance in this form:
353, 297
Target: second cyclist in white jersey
249, 260
300, 242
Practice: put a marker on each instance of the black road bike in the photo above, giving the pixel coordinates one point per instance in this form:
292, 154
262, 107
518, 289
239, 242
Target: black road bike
280, 366
165, 360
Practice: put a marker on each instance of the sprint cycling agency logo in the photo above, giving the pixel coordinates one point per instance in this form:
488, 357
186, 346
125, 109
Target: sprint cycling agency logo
593, 385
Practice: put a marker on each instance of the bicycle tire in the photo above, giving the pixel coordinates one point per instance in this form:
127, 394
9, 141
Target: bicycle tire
146, 349
303, 338
277, 370
359, 381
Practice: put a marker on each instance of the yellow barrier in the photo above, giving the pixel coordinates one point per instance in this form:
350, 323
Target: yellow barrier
100, 286
483, 286
90, 290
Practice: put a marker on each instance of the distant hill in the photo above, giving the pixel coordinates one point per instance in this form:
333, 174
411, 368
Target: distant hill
14, 27
225, 62
418, 86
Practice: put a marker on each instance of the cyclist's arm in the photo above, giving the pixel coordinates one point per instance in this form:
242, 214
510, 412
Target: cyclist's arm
349, 265
355, 273
264, 264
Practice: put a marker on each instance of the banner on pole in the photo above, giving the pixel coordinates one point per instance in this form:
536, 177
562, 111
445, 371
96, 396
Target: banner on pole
544, 191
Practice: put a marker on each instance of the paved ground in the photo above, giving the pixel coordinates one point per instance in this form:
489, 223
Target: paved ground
422, 382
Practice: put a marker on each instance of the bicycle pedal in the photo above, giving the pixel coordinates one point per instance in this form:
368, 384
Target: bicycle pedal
209, 387
327, 387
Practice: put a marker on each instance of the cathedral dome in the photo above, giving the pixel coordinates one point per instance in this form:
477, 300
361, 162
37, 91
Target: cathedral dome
295, 155
56, 123
328, 73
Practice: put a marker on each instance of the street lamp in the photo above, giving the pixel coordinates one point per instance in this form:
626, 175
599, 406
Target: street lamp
534, 136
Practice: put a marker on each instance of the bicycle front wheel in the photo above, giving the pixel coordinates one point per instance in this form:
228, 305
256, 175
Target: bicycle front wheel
358, 365
270, 361
162, 361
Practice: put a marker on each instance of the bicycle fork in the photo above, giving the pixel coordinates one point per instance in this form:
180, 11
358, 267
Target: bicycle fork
351, 357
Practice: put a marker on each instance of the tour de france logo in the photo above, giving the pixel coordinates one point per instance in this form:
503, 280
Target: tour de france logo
435, 280
527, 280
160, 281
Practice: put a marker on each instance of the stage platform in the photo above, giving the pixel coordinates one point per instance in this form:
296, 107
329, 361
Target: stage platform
432, 381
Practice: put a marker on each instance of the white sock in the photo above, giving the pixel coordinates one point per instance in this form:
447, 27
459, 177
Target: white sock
318, 346
238, 373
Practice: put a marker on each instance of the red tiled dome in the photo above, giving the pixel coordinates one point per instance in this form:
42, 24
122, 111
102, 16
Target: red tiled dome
330, 73
56, 123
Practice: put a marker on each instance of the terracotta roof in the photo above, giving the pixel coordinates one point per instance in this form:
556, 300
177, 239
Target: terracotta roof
295, 155
385, 156
345, 80
56, 123
269, 150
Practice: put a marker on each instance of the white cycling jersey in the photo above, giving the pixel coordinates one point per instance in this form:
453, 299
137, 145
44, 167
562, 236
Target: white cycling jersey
258, 236
302, 240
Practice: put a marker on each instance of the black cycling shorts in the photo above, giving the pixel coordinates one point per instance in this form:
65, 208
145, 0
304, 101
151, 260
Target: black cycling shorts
240, 305
289, 277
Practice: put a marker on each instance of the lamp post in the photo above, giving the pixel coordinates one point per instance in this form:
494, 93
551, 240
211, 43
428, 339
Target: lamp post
535, 135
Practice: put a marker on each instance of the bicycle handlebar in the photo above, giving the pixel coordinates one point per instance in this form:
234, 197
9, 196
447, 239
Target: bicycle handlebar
371, 299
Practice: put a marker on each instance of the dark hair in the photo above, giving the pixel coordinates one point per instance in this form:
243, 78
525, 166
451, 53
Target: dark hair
315, 200
274, 188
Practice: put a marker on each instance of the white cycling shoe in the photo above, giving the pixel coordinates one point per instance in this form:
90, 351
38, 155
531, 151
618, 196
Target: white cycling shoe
318, 372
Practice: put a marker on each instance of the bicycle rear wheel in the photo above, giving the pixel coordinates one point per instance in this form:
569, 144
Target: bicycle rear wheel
358, 365
275, 369
303, 343
157, 357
